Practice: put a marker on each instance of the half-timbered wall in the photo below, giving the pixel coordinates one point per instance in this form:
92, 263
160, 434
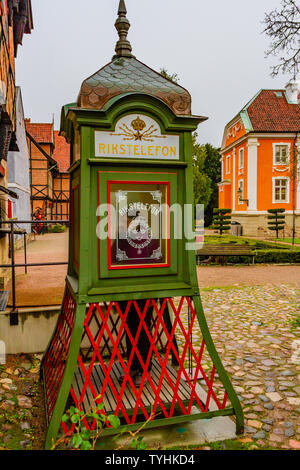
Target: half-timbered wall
61, 196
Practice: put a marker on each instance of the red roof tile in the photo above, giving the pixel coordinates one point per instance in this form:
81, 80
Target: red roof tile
41, 132
61, 152
272, 113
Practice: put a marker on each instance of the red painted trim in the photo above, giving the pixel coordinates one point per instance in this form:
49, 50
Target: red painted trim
133, 266
9, 210
2, 170
155, 182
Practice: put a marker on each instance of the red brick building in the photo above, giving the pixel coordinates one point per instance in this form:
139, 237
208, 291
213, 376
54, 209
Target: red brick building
61, 181
49, 160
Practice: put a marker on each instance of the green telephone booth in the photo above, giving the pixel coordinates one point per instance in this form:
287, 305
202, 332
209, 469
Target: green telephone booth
131, 333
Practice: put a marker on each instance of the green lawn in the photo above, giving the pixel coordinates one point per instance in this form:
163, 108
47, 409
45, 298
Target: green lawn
288, 240
230, 239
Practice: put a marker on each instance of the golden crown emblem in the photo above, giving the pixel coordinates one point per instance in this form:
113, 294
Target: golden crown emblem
138, 124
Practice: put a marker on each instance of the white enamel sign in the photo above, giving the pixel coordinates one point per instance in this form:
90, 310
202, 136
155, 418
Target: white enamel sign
137, 136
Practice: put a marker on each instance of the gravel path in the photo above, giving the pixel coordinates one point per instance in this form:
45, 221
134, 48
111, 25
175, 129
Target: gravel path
215, 276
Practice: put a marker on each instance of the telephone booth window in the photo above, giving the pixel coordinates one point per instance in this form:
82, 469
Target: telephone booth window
138, 224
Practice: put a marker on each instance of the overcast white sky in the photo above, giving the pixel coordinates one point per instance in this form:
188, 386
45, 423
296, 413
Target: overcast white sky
215, 46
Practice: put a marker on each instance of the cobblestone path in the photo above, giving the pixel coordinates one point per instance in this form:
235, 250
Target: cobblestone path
255, 329
257, 335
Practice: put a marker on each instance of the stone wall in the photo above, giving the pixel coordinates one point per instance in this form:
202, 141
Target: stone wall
256, 225
33, 332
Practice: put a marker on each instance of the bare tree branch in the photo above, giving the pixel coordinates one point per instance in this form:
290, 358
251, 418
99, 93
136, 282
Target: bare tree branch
283, 28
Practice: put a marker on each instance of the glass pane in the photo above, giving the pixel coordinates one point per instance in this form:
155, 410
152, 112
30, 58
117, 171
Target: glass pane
139, 219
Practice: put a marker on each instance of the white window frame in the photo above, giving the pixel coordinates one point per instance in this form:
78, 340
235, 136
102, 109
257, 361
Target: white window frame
241, 152
228, 165
286, 144
241, 196
287, 179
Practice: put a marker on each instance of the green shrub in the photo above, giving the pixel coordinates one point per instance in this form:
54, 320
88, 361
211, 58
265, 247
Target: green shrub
268, 257
255, 244
221, 220
56, 228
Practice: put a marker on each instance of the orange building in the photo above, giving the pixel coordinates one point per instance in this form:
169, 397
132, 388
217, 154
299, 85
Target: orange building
260, 157
49, 160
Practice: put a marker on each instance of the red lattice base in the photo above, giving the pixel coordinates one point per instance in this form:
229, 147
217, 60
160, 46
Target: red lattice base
57, 354
150, 333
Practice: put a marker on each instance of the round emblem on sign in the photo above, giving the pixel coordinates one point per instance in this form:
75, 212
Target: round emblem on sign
139, 234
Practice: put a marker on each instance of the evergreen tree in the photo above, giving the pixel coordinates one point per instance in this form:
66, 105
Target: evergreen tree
276, 220
202, 182
206, 168
212, 168
221, 220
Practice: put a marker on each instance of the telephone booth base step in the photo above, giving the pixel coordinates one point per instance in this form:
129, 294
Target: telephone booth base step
129, 398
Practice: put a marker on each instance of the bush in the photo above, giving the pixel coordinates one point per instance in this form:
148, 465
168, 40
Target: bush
255, 244
268, 257
56, 228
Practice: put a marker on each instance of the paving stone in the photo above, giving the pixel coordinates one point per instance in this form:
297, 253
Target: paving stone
268, 362
268, 421
263, 398
24, 402
254, 424
274, 396
293, 401
250, 429
25, 426
289, 432
6, 381
267, 427
287, 373
250, 359
25, 444
294, 444
276, 438
259, 435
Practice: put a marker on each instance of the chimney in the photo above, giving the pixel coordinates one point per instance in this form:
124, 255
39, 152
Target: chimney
292, 91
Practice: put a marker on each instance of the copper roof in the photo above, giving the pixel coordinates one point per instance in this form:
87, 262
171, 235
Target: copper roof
125, 75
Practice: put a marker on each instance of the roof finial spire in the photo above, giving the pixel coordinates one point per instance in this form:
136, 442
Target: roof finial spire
123, 46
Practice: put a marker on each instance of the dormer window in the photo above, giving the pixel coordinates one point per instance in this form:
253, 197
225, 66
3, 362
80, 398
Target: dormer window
281, 153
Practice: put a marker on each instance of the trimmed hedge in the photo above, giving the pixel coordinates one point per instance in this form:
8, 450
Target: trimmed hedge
267, 257
255, 244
